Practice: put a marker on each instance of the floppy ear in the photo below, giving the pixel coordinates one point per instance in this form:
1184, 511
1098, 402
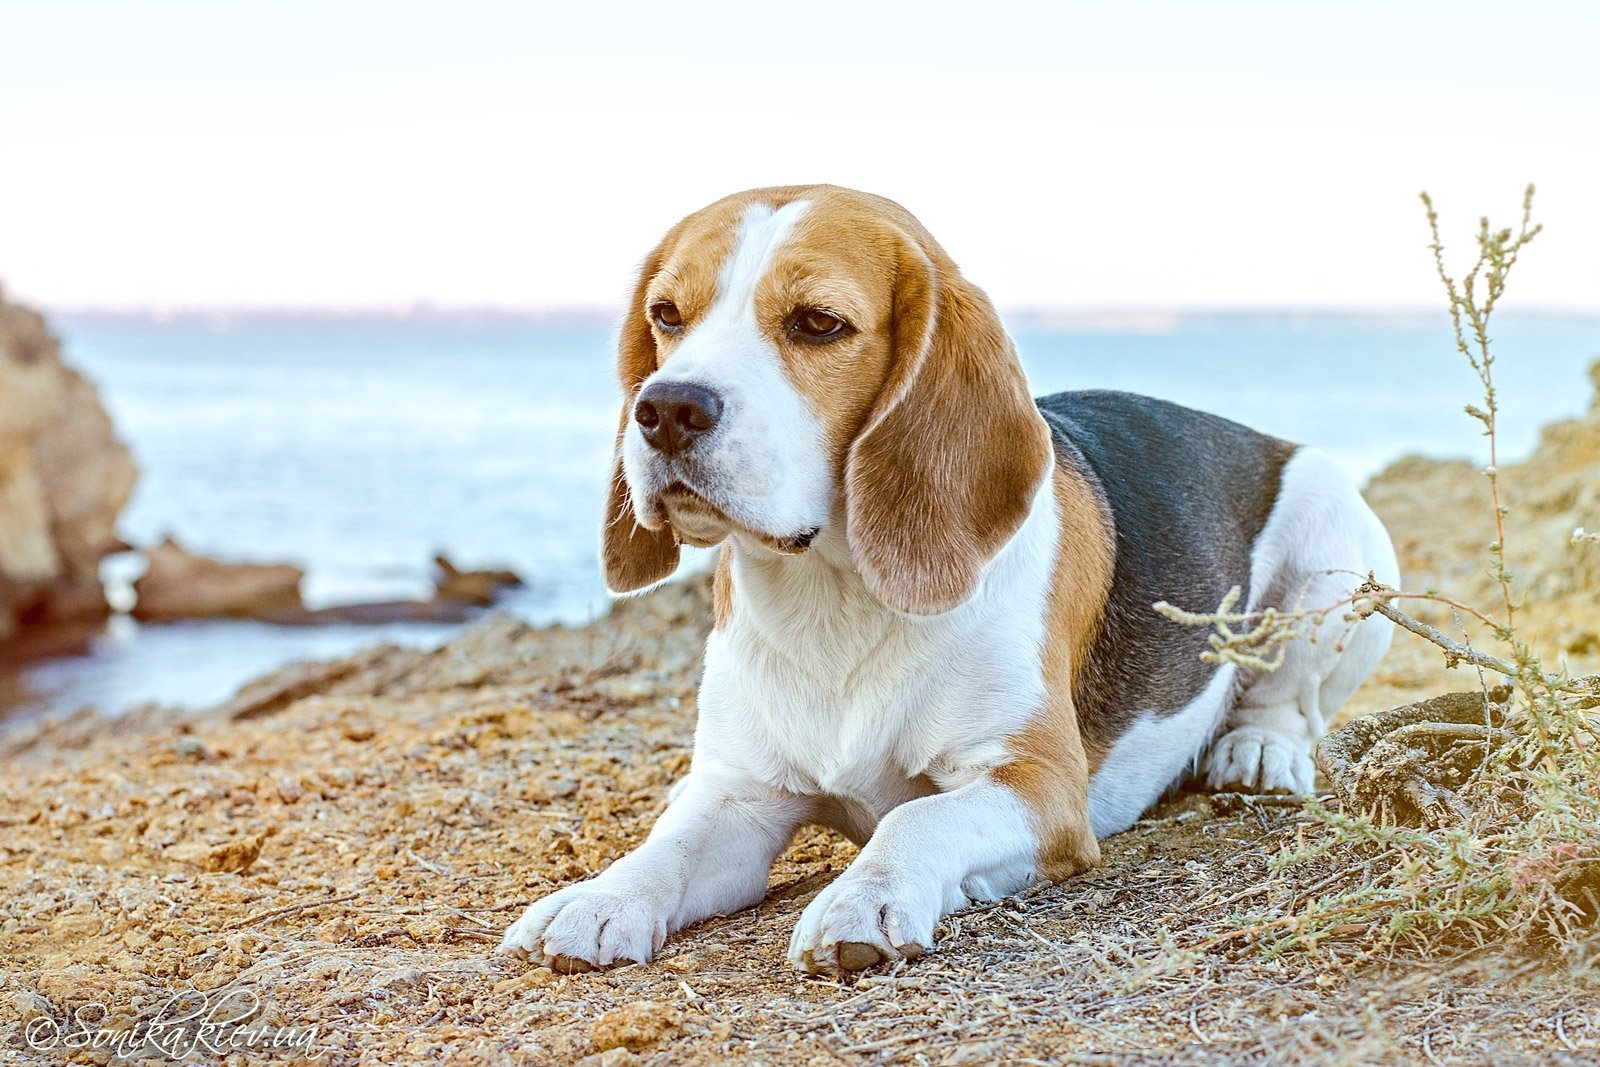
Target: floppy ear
634, 557
953, 453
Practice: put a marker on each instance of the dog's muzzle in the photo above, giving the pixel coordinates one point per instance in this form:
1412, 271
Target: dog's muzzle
673, 416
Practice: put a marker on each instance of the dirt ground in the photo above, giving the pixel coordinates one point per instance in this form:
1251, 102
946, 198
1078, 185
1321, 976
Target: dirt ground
345, 842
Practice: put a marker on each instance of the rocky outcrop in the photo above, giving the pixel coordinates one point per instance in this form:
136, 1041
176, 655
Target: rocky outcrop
458, 596
177, 584
64, 478
180, 585
1442, 521
479, 588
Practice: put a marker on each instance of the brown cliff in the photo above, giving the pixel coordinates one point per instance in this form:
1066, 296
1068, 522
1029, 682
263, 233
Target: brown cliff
64, 477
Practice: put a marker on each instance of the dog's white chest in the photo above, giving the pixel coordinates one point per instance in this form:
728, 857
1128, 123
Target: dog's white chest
815, 687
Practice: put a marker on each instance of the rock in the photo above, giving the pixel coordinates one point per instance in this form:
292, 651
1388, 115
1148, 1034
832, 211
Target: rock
459, 597
180, 585
634, 1026
236, 856
481, 588
64, 478
616, 1057
28, 559
84, 466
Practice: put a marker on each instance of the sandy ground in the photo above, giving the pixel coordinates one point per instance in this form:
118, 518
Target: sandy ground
346, 842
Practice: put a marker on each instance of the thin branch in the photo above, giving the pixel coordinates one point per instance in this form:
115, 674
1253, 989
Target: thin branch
1454, 651
292, 909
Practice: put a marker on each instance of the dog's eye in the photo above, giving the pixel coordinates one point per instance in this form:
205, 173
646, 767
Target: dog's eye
664, 313
814, 324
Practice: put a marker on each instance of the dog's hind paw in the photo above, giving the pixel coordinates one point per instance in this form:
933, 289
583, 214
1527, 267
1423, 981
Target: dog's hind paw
1250, 759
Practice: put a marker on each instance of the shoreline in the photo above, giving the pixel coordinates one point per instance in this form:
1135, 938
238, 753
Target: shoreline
1387, 490
358, 494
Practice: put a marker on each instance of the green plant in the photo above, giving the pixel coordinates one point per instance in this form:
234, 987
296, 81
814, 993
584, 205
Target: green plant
1515, 854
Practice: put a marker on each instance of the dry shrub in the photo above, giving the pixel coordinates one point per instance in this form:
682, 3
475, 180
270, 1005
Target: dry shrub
1465, 821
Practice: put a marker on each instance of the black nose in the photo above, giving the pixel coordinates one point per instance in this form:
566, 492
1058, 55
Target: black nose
673, 415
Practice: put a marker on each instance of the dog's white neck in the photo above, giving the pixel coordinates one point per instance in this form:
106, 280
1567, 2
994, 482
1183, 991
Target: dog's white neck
812, 608
816, 611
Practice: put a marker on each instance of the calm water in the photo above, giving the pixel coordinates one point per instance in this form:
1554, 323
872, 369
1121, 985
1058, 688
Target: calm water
357, 448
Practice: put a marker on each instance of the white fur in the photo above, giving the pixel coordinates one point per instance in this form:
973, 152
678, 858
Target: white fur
820, 704
816, 686
1155, 752
1319, 543
764, 466
929, 857
708, 854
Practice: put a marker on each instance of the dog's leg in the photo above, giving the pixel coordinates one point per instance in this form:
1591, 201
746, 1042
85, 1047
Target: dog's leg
1268, 736
1266, 747
927, 858
708, 854
1321, 540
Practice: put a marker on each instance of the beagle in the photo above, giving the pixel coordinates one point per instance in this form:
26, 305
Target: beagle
933, 623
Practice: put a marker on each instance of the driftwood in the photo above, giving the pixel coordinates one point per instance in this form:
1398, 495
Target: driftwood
1405, 764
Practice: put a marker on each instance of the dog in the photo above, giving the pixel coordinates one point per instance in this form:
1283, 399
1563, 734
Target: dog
933, 628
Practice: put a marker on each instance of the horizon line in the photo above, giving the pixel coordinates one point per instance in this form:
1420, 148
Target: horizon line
1098, 316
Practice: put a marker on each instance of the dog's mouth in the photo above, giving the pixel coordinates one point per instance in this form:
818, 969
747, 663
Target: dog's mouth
697, 521
692, 517
793, 545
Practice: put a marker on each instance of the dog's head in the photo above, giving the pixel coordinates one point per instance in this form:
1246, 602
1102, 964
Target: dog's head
803, 358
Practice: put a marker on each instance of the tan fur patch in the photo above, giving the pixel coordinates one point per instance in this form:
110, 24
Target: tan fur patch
946, 467
1051, 771
722, 590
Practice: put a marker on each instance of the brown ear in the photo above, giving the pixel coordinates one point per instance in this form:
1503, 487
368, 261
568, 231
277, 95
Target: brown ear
634, 557
952, 455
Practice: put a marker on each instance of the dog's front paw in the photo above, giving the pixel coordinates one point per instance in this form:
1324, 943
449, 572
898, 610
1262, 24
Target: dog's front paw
861, 920
1255, 760
586, 926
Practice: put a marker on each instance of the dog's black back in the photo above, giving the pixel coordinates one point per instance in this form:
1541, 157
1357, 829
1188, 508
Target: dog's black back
1188, 494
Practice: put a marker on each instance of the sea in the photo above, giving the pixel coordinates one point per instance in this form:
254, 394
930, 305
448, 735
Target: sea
359, 446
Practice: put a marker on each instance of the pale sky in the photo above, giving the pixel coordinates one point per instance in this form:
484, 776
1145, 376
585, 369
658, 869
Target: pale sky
524, 155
